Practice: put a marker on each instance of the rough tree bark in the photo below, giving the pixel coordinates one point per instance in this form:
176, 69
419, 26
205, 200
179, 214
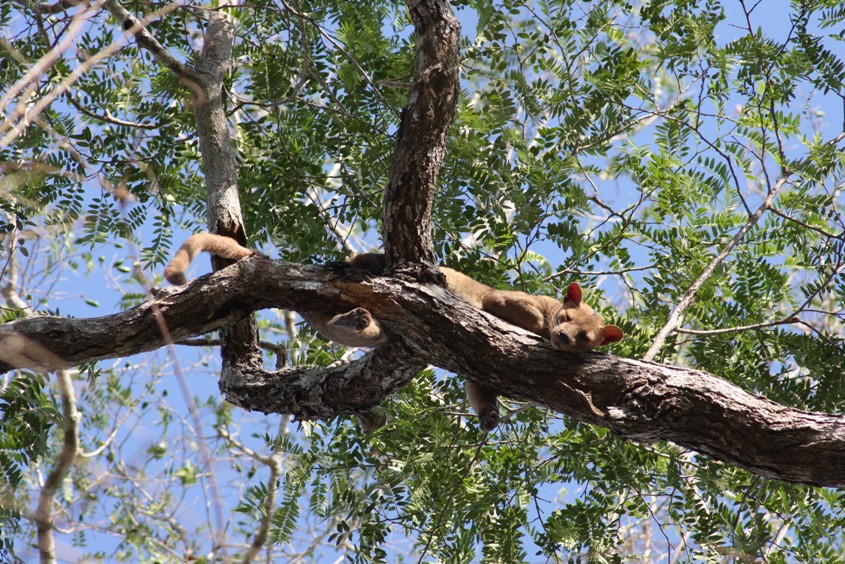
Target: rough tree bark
219, 154
421, 144
239, 346
429, 325
640, 400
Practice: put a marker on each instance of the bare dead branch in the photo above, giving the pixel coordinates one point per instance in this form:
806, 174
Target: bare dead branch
17, 122
274, 463
38, 69
133, 26
55, 7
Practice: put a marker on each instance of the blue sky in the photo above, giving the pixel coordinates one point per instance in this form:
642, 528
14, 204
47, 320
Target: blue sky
97, 286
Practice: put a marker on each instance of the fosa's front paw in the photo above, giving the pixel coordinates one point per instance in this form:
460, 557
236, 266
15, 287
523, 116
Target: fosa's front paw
357, 319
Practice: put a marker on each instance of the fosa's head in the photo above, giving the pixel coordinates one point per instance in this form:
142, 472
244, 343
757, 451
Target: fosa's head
576, 327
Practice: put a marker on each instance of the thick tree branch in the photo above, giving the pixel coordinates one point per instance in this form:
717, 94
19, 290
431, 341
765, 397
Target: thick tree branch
240, 350
421, 144
638, 400
55, 7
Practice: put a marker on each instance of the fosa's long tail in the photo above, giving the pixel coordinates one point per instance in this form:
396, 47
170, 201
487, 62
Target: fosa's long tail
217, 245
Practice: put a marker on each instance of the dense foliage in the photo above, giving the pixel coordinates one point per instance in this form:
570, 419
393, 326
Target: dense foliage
639, 148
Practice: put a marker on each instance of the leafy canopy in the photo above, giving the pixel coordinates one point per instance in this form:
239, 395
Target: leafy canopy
623, 145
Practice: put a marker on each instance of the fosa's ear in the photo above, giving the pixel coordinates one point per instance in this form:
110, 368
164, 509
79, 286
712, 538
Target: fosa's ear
573, 294
611, 334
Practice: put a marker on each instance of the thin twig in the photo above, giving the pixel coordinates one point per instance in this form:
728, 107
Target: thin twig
674, 319
274, 462
620, 272
805, 225
107, 117
278, 350
70, 447
27, 115
708, 332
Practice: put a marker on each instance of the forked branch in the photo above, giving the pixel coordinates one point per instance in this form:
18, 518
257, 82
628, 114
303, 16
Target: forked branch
638, 400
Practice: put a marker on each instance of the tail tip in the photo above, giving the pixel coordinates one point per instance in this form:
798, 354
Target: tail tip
176, 278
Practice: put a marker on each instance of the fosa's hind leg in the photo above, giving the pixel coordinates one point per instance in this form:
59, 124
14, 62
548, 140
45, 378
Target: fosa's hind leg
485, 403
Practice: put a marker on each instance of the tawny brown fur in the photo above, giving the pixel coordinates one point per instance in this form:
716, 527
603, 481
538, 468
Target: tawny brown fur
355, 328
571, 325
215, 244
